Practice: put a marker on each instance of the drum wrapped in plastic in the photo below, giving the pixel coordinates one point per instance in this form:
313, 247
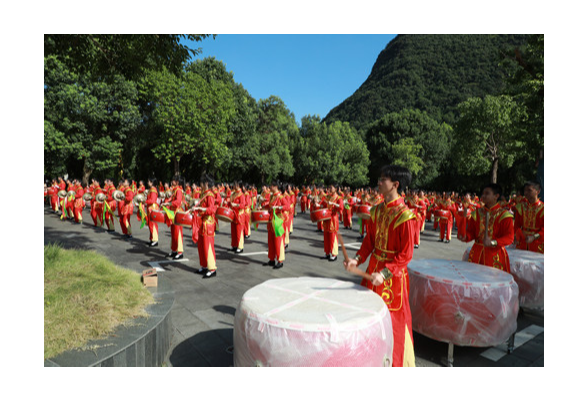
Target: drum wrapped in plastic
462, 303
312, 322
527, 268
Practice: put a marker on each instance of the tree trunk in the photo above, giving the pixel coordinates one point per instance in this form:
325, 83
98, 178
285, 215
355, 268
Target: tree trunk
176, 166
494, 177
87, 173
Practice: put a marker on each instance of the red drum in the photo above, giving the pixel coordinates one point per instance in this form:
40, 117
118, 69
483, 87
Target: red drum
225, 214
183, 218
156, 216
443, 214
260, 216
322, 214
363, 211
527, 268
462, 303
312, 322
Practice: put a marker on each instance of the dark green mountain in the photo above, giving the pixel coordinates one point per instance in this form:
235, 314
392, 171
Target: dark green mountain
432, 73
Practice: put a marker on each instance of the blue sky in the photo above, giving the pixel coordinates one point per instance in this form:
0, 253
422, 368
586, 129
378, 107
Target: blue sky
311, 73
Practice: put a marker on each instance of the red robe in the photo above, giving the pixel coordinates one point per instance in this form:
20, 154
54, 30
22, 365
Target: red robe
528, 222
151, 204
500, 228
238, 225
331, 227
177, 233
276, 245
206, 228
389, 241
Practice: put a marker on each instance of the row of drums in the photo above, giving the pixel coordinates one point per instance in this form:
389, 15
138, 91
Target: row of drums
227, 214
327, 322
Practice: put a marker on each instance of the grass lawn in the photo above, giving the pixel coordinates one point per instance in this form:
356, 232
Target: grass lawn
86, 297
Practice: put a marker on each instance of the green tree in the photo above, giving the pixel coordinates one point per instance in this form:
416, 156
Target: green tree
427, 151
193, 114
275, 124
86, 120
331, 153
486, 134
106, 56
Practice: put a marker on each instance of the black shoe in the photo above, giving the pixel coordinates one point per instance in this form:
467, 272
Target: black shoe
202, 271
326, 257
270, 263
286, 247
153, 244
279, 265
172, 254
416, 246
360, 238
209, 274
238, 251
440, 240
233, 249
179, 256
333, 258
247, 236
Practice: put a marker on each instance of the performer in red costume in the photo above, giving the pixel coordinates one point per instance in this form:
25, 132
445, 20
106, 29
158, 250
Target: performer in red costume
389, 241
238, 203
445, 224
127, 210
492, 228
109, 205
79, 202
177, 232
206, 211
151, 204
276, 248
333, 202
348, 203
528, 224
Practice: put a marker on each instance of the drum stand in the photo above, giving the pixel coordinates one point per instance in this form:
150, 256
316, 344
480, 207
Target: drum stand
448, 362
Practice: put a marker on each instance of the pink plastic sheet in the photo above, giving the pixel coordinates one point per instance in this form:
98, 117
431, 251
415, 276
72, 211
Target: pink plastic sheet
315, 322
462, 303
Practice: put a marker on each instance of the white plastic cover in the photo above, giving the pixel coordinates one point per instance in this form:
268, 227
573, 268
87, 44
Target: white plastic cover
527, 270
462, 303
315, 322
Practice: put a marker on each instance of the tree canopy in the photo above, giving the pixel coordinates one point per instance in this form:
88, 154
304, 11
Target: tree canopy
457, 110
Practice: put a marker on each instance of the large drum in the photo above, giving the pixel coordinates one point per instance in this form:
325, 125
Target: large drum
442, 214
321, 214
183, 218
260, 216
156, 216
363, 211
225, 214
527, 268
462, 303
312, 322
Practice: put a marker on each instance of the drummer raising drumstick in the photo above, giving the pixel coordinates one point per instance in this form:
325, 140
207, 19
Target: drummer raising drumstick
390, 242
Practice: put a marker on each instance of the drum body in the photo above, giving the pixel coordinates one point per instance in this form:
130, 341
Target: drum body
462, 303
312, 322
527, 268
260, 216
156, 216
442, 214
225, 214
363, 211
322, 214
183, 218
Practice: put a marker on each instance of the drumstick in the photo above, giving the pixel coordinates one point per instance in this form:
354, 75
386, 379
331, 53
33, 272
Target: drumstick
486, 227
354, 270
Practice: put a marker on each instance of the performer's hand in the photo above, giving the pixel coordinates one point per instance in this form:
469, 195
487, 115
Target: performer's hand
488, 241
350, 264
530, 239
377, 279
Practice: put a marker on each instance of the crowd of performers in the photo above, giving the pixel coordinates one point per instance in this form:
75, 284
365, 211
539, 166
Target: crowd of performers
389, 235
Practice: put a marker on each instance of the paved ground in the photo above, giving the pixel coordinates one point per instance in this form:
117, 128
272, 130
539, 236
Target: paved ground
202, 315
